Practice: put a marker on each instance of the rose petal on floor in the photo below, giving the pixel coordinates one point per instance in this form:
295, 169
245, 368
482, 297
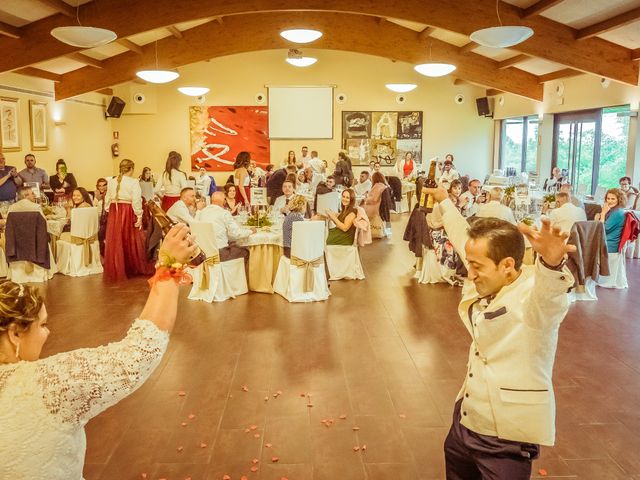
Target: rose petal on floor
181, 393
244, 477
542, 472
364, 447
143, 476
355, 429
226, 477
184, 424
253, 427
268, 445
180, 448
256, 435
203, 445
191, 416
254, 469
245, 388
255, 461
402, 415
246, 430
275, 459
356, 448
343, 417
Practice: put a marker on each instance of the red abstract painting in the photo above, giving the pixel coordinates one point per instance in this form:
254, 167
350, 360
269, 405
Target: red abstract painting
218, 134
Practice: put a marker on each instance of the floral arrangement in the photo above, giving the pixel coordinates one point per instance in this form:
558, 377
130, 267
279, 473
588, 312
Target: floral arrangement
528, 221
550, 198
510, 191
262, 220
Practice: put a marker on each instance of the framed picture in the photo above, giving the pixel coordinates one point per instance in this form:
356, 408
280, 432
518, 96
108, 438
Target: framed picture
9, 125
38, 123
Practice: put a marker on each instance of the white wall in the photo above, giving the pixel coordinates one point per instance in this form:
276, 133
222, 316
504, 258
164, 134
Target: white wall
236, 79
84, 141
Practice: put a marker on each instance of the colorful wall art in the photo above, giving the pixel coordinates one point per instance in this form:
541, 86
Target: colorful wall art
382, 136
218, 134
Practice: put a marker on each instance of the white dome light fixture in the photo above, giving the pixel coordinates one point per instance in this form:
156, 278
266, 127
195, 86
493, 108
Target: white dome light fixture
157, 75
301, 35
295, 58
193, 91
83, 37
434, 69
501, 36
401, 87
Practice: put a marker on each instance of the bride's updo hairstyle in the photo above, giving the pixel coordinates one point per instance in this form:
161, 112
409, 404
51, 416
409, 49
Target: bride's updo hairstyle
19, 305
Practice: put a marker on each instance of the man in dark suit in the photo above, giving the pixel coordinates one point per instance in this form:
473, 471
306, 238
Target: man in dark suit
274, 184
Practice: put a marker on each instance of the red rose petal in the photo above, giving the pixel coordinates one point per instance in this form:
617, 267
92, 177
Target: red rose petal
356, 448
181, 393
245, 388
279, 392
256, 435
364, 447
226, 477
255, 461
355, 429
203, 445
542, 472
254, 469
275, 459
246, 430
268, 445
309, 405
244, 477
284, 478
143, 476
253, 427
191, 416
303, 394
343, 417
402, 415
266, 399
187, 478
184, 424
180, 448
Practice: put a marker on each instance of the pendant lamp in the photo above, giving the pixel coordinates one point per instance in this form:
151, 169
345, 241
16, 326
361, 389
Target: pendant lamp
503, 36
157, 75
81, 36
301, 35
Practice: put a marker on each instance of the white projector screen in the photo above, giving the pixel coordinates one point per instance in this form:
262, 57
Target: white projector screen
300, 112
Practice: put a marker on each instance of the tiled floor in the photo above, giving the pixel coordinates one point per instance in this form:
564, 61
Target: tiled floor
385, 352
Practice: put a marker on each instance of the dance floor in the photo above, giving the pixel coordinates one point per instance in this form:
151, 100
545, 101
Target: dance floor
290, 390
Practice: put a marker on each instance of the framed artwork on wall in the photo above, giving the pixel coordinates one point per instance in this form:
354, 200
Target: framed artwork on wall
38, 125
9, 125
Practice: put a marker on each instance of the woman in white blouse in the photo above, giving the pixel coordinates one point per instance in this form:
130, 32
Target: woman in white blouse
45, 403
172, 181
125, 243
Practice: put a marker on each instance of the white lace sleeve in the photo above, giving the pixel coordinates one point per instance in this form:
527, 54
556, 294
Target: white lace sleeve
80, 384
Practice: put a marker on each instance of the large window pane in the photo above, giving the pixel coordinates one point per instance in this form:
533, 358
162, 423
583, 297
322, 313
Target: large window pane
613, 149
532, 144
511, 153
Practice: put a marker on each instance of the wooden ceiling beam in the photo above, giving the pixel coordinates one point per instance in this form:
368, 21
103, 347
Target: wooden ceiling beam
608, 25
552, 41
509, 62
39, 73
539, 7
468, 47
134, 47
61, 7
635, 54
175, 32
492, 92
105, 91
219, 20
341, 32
9, 30
564, 73
86, 59
460, 81
426, 33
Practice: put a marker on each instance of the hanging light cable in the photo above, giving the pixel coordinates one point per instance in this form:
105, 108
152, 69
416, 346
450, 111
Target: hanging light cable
157, 75
501, 36
81, 36
433, 69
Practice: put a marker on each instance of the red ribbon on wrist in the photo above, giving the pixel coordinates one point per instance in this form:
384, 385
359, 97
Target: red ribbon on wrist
163, 274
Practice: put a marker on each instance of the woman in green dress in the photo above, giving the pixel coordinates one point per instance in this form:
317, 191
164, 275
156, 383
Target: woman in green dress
344, 232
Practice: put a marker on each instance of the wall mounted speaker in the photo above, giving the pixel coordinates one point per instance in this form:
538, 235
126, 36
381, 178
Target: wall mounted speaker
139, 98
341, 98
401, 99
116, 105
201, 99
459, 99
482, 104
260, 98
605, 82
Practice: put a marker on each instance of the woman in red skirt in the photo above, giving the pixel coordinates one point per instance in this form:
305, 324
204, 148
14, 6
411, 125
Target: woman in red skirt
172, 181
241, 178
125, 242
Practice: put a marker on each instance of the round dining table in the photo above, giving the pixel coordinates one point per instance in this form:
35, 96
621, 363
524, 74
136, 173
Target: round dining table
265, 250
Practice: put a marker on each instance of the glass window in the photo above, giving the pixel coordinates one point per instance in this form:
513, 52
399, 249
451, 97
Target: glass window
519, 144
613, 146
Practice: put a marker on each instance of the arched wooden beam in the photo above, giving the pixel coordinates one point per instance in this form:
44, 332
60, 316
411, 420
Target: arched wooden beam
552, 41
341, 32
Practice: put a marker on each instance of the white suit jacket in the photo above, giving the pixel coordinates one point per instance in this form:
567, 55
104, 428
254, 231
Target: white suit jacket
514, 344
565, 216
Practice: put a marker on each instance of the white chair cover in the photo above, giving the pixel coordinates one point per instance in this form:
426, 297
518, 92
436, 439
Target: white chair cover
431, 271
617, 277
78, 259
225, 280
343, 261
307, 244
27, 272
588, 295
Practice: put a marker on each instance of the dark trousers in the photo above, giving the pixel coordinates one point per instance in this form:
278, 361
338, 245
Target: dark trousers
232, 252
471, 456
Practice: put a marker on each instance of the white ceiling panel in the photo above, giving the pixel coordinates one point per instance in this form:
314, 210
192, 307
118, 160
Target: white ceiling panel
538, 66
453, 38
21, 12
60, 65
150, 36
521, 3
627, 36
192, 24
415, 26
582, 13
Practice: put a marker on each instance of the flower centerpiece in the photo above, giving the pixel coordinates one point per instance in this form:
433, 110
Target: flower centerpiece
509, 193
550, 198
260, 219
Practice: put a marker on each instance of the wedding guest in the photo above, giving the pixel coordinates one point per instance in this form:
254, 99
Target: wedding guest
449, 174
302, 186
316, 164
493, 208
613, 217
290, 160
80, 198
566, 213
566, 188
184, 210
46, 402
226, 228
98, 201
268, 172
296, 209
125, 250
146, 184
552, 184
343, 173
282, 202
33, 174
455, 191
472, 198
304, 158
27, 202
506, 408
230, 202
172, 181
344, 231
62, 183
406, 167
241, 177
9, 181
363, 185
630, 191
374, 196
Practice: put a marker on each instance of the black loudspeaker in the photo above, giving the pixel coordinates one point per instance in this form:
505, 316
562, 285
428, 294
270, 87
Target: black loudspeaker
482, 104
116, 105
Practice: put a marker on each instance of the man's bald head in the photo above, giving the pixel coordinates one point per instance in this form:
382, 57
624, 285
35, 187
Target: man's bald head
218, 198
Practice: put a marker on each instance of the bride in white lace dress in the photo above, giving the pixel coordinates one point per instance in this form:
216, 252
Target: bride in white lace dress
45, 403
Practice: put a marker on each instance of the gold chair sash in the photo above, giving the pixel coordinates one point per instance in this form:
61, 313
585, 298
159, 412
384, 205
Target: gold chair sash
209, 262
308, 266
87, 255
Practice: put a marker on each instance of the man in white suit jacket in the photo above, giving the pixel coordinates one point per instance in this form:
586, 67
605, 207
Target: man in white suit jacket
506, 406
